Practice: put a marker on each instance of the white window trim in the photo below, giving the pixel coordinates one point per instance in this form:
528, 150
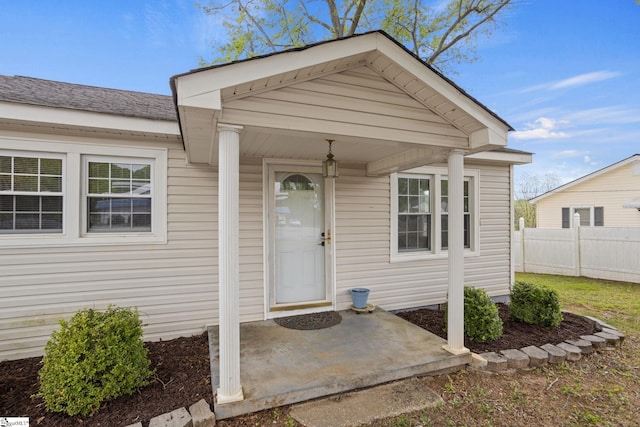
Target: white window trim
591, 215
73, 183
438, 173
41, 155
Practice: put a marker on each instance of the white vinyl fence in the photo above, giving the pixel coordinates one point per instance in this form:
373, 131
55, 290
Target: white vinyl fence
611, 253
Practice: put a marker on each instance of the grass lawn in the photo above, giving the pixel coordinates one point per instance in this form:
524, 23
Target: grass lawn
602, 389
617, 303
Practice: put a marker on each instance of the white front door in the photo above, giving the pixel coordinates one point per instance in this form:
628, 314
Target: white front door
299, 238
299, 251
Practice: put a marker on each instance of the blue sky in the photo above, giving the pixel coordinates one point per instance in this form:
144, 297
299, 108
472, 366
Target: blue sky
564, 73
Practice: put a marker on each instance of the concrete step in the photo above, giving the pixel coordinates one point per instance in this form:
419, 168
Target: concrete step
365, 406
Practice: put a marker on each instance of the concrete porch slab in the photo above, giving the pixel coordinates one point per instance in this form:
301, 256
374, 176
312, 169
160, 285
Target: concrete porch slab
280, 366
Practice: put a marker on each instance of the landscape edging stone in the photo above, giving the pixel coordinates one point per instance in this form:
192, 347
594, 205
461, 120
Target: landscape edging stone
607, 337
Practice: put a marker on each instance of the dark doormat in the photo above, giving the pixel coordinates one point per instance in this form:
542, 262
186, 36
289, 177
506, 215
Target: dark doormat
322, 320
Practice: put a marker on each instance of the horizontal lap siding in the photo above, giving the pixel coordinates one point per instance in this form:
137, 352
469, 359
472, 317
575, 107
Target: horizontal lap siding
174, 285
491, 270
354, 101
609, 190
251, 242
363, 225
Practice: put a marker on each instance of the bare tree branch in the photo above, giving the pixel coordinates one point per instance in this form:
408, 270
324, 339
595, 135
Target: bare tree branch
442, 47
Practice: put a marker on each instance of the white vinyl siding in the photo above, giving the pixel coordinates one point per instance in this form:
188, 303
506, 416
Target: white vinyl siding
358, 102
363, 220
173, 282
609, 190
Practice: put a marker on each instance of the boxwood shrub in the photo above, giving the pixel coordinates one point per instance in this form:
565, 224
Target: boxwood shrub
95, 356
482, 322
535, 304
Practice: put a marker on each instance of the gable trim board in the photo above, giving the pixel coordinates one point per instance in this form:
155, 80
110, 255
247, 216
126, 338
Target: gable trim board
631, 159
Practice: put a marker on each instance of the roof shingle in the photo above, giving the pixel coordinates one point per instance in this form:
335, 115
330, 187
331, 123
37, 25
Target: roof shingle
48, 93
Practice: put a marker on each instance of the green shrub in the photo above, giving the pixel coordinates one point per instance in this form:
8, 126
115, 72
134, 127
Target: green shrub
94, 357
535, 304
482, 322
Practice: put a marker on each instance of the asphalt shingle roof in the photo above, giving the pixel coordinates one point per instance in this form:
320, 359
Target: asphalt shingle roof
48, 93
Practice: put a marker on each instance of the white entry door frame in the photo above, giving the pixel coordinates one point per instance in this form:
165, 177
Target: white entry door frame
304, 257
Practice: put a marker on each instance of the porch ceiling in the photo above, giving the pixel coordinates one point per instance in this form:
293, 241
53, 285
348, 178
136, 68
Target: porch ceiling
458, 120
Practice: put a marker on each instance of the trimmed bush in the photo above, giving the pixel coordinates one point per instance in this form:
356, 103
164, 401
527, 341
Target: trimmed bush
94, 357
535, 304
482, 322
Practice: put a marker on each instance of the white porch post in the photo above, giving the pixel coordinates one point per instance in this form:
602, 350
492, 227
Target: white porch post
228, 263
455, 326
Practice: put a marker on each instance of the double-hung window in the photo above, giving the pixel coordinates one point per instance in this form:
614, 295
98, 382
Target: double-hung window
119, 195
420, 213
31, 193
55, 193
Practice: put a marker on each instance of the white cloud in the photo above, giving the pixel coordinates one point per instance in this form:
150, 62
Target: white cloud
584, 79
579, 80
542, 128
566, 154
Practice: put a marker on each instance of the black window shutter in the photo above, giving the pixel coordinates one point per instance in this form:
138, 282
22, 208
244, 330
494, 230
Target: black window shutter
566, 220
598, 216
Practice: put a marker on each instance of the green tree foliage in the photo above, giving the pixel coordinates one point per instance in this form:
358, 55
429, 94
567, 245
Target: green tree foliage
441, 34
94, 357
535, 304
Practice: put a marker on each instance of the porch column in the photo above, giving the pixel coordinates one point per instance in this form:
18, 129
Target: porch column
455, 326
228, 263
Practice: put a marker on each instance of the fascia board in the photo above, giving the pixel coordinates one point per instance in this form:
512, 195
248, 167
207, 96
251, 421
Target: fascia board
487, 137
412, 65
215, 79
494, 156
586, 178
85, 119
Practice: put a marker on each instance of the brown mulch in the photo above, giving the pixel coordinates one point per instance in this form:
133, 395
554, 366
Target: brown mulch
515, 334
183, 374
182, 378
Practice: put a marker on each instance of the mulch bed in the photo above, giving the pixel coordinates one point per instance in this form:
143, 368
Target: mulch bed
182, 378
183, 374
515, 334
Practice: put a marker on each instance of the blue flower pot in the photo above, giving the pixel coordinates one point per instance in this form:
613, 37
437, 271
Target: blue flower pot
359, 297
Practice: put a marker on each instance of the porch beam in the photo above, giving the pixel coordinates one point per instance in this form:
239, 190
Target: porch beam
455, 324
230, 389
406, 160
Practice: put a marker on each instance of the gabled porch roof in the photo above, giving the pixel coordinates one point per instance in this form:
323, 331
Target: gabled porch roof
383, 131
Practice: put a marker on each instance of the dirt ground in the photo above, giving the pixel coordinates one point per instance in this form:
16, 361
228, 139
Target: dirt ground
471, 398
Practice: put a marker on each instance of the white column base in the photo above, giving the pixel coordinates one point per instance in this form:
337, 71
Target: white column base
221, 399
456, 351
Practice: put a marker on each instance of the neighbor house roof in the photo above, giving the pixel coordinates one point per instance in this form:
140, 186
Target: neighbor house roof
621, 163
48, 93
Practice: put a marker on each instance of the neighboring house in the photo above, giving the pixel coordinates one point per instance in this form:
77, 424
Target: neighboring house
609, 197
221, 214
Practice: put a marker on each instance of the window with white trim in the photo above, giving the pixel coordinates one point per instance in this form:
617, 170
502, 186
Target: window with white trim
420, 217
57, 193
118, 195
31, 193
590, 216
